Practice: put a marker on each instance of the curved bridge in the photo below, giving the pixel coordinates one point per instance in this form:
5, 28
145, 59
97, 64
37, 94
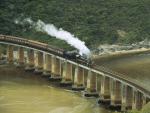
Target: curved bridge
95, 81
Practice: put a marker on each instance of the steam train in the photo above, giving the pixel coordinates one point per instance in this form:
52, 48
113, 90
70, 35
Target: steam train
71, 55
75, 56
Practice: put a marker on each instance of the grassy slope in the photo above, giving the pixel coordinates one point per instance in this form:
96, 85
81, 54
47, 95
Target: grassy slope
93, 21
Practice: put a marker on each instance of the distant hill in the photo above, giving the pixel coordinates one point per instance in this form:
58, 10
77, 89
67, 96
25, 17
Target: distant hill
93, 21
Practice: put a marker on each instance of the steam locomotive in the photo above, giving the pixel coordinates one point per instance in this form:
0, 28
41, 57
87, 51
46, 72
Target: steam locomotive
75, 56
71, 55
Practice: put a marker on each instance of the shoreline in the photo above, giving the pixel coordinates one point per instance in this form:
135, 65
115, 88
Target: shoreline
122, 53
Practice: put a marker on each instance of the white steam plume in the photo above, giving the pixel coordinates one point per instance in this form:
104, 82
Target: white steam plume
51, 30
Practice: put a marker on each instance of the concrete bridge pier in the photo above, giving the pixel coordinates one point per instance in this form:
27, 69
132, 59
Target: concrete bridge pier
39, 62
67, 74
1, 54
98, 81
20, 57
55, 68
105, 90
47, 65
144, 100
115, 94
91, 85
10, 56
85, 76
126, 97
137, 101
30, 60
78, 79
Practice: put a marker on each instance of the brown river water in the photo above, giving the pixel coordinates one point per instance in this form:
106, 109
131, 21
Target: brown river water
22, 92
28, 93
134, 67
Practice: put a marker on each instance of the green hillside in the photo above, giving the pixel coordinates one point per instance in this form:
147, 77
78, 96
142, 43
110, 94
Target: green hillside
93, 21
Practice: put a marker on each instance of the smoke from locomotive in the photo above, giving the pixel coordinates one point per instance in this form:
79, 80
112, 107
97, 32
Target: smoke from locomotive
51, 30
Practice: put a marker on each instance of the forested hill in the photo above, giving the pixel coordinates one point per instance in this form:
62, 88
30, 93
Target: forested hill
93, 21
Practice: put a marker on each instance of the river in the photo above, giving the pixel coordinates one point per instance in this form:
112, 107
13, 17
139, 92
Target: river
28, 93
22, 92
134, 67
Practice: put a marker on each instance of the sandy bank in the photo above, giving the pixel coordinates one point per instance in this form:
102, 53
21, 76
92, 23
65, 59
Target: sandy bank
123, 53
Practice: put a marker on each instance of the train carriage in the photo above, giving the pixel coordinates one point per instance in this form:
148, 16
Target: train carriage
70, 55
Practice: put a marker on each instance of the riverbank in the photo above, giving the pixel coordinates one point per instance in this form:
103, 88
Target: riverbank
120, 54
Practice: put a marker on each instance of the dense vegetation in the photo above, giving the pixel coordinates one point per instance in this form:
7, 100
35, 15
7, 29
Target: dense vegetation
93, 21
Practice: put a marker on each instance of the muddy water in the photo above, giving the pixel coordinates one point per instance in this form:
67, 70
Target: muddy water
134, 67
27, 93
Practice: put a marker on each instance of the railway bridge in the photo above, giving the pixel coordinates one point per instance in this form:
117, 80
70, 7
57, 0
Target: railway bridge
94, 80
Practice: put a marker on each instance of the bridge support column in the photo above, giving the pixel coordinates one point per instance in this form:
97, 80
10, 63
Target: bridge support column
1, 54
47, 65
67, 74
145, 100
98, 86
39, 62
20, 56
78, 79
115, 93
105, 90
137, 100
10, 56
91, 85
85, 77
30, 60
55, 69
126, 97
